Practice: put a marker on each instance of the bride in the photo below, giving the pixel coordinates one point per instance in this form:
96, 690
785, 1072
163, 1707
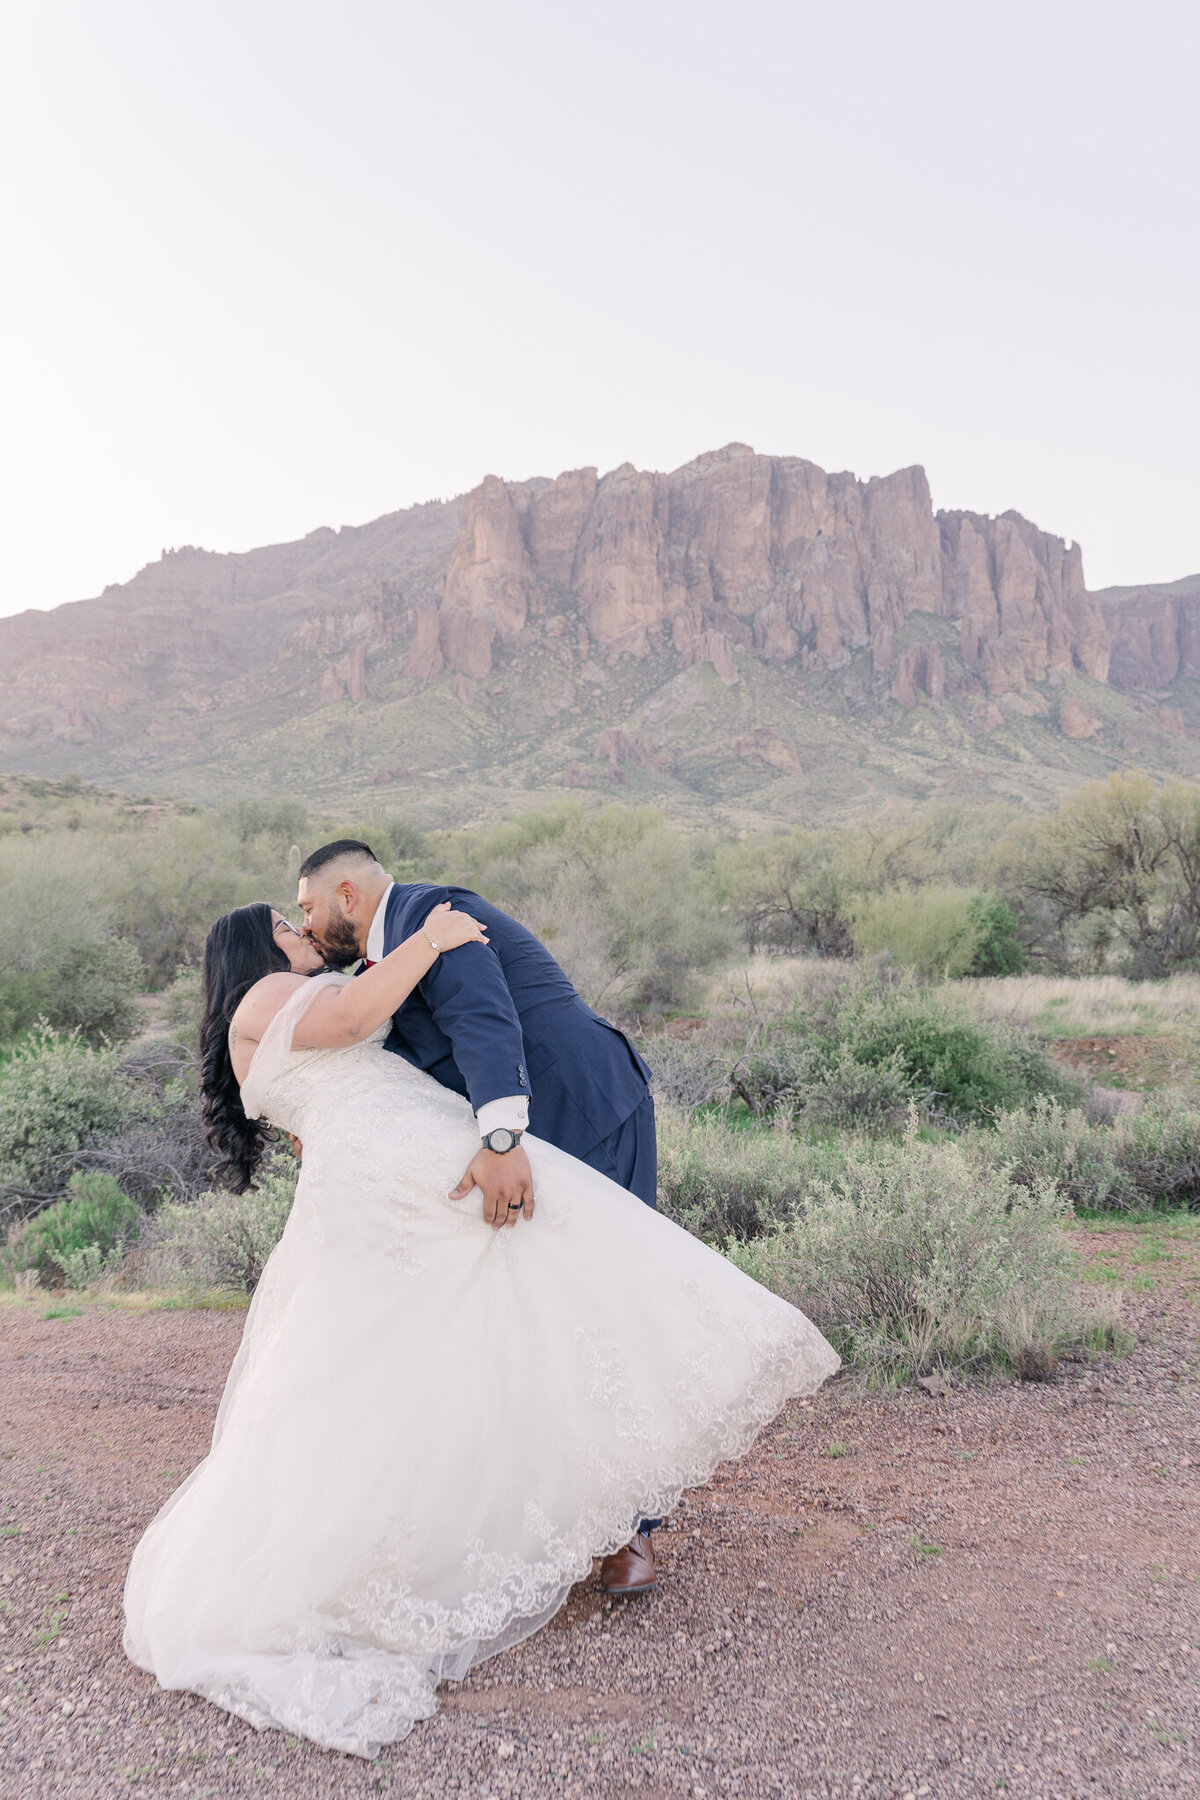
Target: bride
431, 1426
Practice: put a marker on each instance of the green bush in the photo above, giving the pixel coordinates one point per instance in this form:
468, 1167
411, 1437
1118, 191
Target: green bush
77, 1238
848, 1093
222, 1240
55, 1093
998, 946
279, 823
722, 1184
857, 1051
94, 990
971, 1067
1112, 877
940, 930
61, 957
788, 892
931, 929
915, 1259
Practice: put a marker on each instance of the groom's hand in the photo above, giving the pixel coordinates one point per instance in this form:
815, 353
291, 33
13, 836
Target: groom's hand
502, 1180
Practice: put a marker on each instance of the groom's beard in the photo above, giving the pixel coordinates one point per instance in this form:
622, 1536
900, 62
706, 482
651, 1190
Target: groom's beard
338, 943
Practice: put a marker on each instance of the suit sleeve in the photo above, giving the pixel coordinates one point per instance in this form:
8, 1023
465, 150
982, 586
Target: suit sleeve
470, 1001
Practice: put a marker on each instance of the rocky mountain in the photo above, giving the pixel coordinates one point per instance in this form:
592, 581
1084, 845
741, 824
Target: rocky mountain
1155, 633
748, 634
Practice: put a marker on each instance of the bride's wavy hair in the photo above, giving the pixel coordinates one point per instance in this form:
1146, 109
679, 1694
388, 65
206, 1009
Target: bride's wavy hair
238, 951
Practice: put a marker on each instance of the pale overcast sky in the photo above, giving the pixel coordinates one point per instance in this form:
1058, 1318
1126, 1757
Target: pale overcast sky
273, 264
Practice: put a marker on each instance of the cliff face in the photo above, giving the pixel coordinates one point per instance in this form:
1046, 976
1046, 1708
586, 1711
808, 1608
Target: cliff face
1155, 634
769, 554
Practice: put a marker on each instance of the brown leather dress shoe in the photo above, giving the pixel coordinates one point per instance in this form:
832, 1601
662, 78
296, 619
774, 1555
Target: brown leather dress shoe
631, 1570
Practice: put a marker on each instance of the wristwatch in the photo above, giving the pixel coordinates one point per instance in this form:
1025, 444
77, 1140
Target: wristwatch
502, 1140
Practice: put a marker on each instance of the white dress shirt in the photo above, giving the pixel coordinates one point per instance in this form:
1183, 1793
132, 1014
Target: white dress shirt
512, 1111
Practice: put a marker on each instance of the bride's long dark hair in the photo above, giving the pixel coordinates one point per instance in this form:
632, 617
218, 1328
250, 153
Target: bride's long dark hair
238, 951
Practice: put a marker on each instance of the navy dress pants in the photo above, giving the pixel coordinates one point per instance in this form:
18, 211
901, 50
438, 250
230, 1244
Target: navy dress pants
630, 1156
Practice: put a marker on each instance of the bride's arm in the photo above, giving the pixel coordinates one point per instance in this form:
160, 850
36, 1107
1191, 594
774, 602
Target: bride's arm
345, 1015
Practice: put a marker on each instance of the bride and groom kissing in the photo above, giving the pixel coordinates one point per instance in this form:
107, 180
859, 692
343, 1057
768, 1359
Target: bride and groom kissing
478, 1357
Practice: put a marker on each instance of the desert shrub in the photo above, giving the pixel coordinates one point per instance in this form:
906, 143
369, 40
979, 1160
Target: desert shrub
972, 1067
850, 1094
1112, 877
998, 946
279, 822
623, 899
61, 957
940, 930
687, 1072
78, 1237
159, 1148
720, 1183
1047, 1141
66, 1106
914, 1258
56, 1092
94, 988
931, 929
1158, 1150
788, 893
171, 883
184, 1006
804, 890
856, 1050
402, 847
1149, 1158
222, 1240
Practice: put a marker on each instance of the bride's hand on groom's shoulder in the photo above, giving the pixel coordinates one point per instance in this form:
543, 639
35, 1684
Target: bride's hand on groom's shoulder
449, 929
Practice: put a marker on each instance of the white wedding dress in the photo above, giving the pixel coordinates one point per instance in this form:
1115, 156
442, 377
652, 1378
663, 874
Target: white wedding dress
431, 1427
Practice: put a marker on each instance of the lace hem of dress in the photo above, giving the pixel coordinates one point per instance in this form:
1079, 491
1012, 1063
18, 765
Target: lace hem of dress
355, 1695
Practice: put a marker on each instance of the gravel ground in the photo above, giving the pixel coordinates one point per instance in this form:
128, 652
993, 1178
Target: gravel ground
892, 1596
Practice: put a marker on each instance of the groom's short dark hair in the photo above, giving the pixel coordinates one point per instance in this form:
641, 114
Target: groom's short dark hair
332, 853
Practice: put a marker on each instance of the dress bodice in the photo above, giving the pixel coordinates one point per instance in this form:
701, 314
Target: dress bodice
309, 1086
332, 1098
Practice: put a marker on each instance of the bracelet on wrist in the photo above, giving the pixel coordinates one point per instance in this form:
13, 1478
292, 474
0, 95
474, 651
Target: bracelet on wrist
432, 940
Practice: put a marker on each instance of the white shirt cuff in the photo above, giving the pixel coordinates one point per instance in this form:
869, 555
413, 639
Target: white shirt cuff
511, 1114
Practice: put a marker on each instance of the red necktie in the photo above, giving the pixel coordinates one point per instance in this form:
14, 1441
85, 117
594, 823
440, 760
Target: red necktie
367, 963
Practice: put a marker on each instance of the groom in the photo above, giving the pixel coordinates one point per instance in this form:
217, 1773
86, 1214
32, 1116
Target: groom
500, 1024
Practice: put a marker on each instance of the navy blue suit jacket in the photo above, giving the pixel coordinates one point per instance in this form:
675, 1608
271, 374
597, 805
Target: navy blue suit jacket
496, 1019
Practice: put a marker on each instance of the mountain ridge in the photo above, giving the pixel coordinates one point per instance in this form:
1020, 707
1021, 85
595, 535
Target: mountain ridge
551, 620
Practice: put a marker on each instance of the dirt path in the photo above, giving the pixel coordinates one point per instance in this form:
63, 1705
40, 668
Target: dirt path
993, 1591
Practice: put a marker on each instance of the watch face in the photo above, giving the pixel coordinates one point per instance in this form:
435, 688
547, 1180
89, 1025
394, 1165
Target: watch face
501, 1140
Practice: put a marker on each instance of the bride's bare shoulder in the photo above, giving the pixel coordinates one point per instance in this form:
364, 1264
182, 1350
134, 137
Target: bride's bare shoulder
258, 1007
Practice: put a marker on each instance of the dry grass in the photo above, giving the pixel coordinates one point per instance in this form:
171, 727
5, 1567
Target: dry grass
68, 1302
769, 984
1091, 1006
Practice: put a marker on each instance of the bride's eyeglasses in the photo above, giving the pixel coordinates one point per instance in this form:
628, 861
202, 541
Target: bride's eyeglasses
287, 926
